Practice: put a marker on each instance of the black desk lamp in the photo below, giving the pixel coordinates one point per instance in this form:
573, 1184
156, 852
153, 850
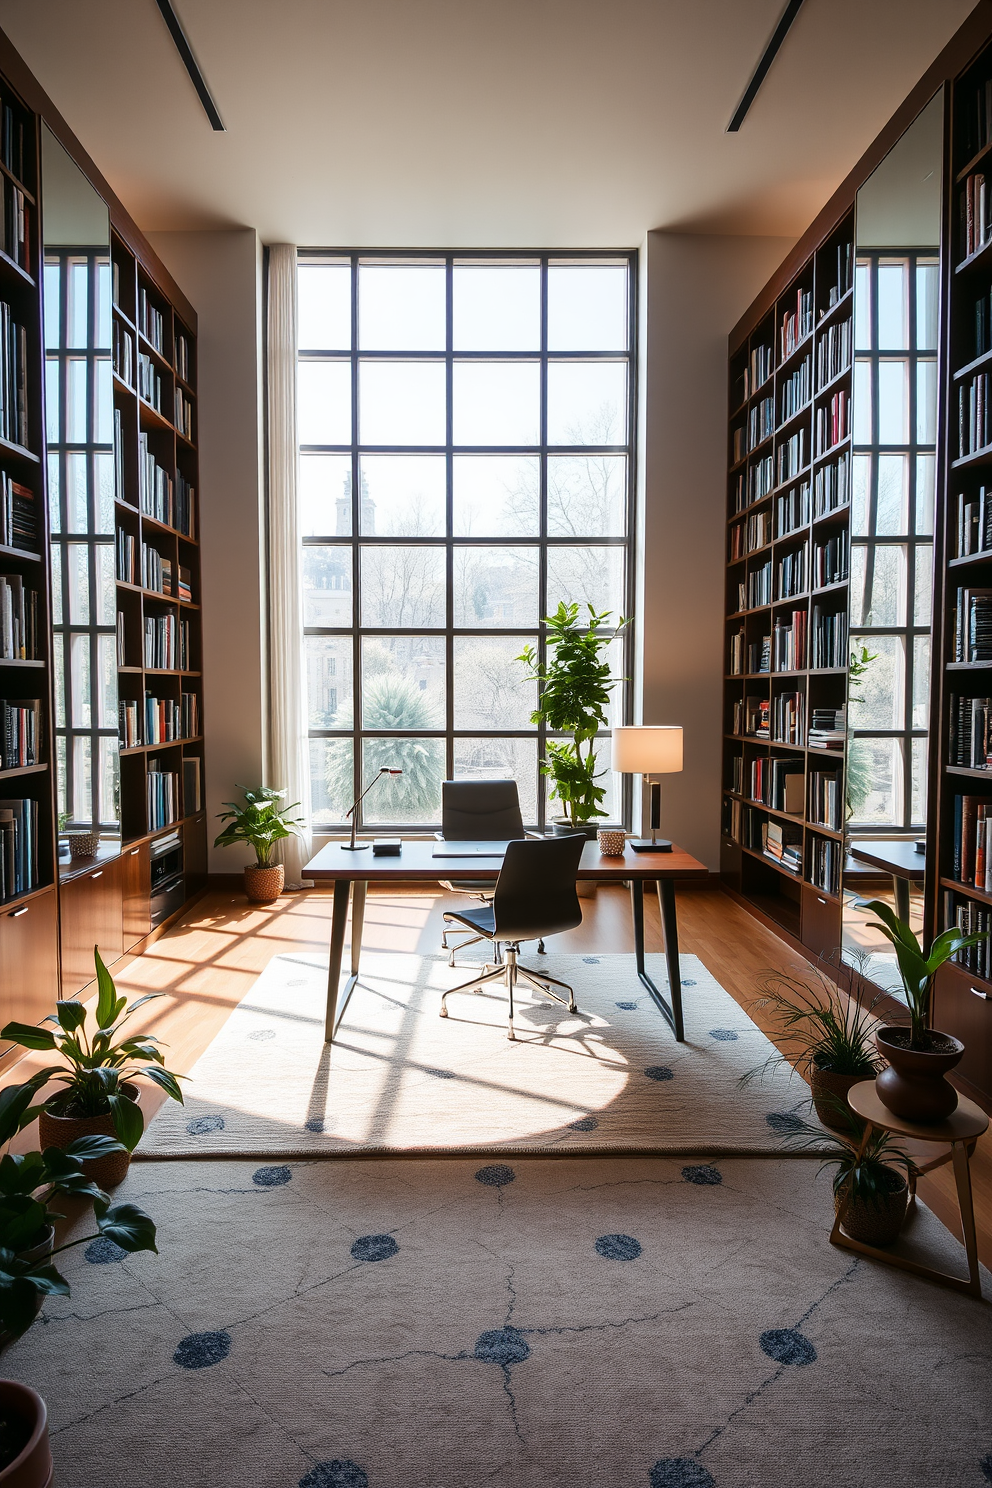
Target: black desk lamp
354, 846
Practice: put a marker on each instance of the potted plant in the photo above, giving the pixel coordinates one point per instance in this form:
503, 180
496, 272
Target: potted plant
827, 1036
260, 822
919, 1057
29, 1181
575, 686
99, 1096
875, 1179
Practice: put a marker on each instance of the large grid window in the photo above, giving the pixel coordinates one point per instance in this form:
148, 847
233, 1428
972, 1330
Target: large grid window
895, 415
466, 446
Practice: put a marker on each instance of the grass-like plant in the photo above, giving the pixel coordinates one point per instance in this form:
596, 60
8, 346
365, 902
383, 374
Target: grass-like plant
918, 965
259, 821
817, 1027
99, 1065
870, 1175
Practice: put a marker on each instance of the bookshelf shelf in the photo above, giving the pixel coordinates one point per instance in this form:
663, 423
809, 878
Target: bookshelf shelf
21, 554
17, 661
796, 354
982, 895
834, 384
983, 557
7, 447
966, 770
23, 274
980, 259
979, 362
981, 456
23, 770
836, 311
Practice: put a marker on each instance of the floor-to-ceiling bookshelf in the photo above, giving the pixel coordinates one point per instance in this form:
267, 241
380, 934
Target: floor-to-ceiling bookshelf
785, 658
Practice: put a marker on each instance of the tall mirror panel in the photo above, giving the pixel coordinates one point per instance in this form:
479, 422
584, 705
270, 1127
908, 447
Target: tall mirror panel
894, 420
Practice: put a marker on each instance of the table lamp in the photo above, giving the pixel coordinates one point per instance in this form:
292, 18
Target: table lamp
354, 846
651, 751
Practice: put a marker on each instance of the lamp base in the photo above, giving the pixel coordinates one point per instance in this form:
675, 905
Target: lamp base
355, 846
642, 845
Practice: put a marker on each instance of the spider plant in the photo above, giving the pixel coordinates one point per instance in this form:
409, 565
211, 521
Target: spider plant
872, 1173
818, 1027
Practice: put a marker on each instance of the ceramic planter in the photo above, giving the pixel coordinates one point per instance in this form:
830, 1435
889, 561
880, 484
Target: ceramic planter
263, 885
829, 1091
32, 1468
59, 1131
875, 1224
563, 828
914, 1085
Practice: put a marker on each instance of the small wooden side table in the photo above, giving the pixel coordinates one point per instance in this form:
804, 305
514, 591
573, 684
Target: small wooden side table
957, 1135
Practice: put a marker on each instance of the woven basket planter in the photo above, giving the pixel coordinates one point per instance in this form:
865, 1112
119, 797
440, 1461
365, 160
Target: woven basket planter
59, 1131
83, 844
32, 1468
875, 1224
263, 885
830, 1090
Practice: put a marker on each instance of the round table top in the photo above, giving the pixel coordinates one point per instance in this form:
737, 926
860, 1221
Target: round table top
966, 1122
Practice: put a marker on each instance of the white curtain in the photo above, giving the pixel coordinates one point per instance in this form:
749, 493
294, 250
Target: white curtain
289, 762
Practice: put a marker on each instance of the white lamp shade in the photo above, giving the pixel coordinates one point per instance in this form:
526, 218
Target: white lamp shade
646, 749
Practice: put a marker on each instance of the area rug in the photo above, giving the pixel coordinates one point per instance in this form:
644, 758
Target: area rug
611, 1077
620, 1323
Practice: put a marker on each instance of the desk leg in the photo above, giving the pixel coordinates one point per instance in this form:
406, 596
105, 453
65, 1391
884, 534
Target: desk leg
901, 889
962, 1175
666, 903
672, 1018
339, 919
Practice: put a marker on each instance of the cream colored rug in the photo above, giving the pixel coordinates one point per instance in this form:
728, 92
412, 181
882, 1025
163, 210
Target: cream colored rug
401, 1079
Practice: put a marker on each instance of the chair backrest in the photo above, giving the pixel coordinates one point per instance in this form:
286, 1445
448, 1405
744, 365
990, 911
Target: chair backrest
535, 892
480, 811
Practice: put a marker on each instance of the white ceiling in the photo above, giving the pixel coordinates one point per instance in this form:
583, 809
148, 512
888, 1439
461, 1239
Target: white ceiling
524, 123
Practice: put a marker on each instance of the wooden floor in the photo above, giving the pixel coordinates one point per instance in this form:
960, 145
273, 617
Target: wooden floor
206, 964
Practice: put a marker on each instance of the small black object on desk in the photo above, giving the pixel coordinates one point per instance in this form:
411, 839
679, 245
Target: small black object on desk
386, 847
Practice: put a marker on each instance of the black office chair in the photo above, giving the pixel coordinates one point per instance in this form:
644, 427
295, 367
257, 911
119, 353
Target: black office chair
535, 896
477, 811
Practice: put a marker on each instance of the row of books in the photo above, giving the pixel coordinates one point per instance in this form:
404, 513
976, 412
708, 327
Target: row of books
787, 712
828, 638
151, 323
971, 919
845, 275
15, 224
18, 847
149, 381
12, 142
976, 223
759, 586
972, 631
828, 728
833, 422
796, 390
158, 720
751, 535
757, 717
825, 799
18, 515
833, 352
824, 864
983, 323
167, 644
792, 509
831, 560
832, 486
20, 732
791, 572
791, 456
13, 378
974, 415
155, 489
183, 366
162, 795
19, 620
123, 353
797, 323
759, 479
972, 862
789, 642
184, 415
783, 843
975, 119
974, 526
970, 732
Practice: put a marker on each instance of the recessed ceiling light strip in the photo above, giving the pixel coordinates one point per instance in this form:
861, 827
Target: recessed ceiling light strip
767, 58
190, 63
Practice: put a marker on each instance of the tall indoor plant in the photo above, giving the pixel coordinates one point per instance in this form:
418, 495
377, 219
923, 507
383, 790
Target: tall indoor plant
260, 822
914, 1084
575, 685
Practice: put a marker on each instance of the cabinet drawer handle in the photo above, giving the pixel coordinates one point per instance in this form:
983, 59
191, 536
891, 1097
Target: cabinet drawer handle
819, 900
985, 996
97, 875
15, 914
134, 852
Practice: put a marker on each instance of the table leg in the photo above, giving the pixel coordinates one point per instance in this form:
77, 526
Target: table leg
666, 904
901, 889
357, 924
672, 1018
339, 918
962, 1176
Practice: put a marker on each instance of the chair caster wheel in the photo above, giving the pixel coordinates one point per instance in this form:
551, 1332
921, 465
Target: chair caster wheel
540, 948
572, 1008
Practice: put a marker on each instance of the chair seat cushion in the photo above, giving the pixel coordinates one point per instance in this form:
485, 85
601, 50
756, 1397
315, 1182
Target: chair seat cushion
481, 919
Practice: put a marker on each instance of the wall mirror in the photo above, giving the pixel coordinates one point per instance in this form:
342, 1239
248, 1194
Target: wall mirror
894, 418
80, 453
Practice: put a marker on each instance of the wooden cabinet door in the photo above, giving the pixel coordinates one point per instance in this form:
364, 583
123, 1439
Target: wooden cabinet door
195, 854
962, 1006
91, 914
821, 928
29, 956
136, 894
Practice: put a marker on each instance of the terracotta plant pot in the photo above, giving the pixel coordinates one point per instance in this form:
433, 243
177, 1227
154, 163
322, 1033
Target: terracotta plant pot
914, 1086
36, 1253
875, 1224
830, 1090
25, 1409
59, 1131
263, 885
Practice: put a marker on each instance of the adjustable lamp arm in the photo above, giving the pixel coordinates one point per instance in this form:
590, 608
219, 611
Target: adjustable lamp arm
353, 846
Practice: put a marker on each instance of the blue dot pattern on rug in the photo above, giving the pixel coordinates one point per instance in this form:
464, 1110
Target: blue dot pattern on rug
202, 1350
103, 1251
724, 1035
271, 1177
591, 960
687, 982
788, 1346
584, 1123
502, 1346
702, 1173
659, 1072
314, 1124
618, 1247
261, 1034
201, 1125
341, 1473
986, 1467
784, 1122
495, 1175
628, 1007
680, 1472
374, 1248
441, 1074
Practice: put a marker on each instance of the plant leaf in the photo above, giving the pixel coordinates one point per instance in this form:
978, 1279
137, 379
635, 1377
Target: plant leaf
85, 1148
47, 1280
168, 1082
107, 999
71, 1015
130, 1227
18, 1304
29, 1036
128, 1120
15, 1101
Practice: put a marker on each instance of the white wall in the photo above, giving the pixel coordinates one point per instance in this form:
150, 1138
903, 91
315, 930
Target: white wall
220, 272
694, 288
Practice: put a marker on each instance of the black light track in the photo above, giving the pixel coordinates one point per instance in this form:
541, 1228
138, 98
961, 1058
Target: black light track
767, 58
190, 63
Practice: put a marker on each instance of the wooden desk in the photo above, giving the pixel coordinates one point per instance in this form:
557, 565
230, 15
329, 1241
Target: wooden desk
335, 864
896, 856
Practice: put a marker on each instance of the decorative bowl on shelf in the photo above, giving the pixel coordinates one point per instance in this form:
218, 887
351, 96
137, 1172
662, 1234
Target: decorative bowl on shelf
83, 844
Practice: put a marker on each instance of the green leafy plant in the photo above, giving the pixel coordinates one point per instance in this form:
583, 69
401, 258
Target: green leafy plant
919, 966
99, 1066
859, 771
575, 686
29, 1181
817, 1027
259, 821
871, 1174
